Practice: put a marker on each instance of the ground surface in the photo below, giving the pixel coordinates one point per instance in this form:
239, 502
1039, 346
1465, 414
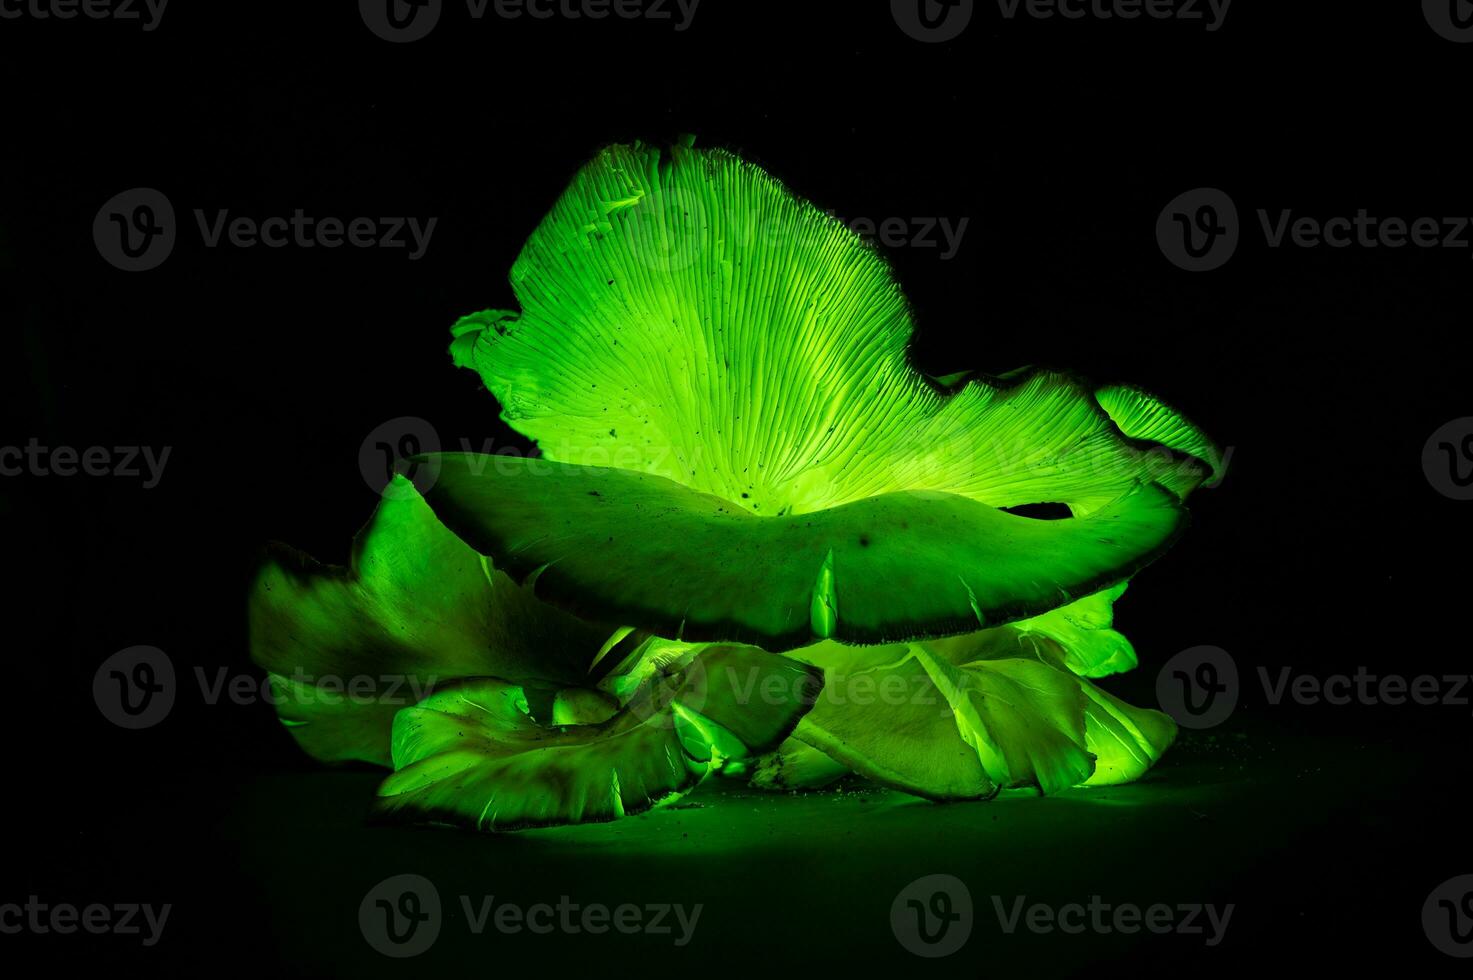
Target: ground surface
1319, 861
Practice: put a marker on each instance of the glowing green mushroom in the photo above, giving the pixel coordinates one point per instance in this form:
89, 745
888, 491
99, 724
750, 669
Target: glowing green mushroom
623, 546
968, 716
471, 755
346, 648
685, 317
735, 449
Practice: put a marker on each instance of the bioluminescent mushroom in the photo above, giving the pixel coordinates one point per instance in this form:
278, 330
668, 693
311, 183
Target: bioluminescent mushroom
748, 506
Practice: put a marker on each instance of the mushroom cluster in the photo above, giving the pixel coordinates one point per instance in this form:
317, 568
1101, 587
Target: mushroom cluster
753, 539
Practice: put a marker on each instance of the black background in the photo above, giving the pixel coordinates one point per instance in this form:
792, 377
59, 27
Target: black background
1060, 141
